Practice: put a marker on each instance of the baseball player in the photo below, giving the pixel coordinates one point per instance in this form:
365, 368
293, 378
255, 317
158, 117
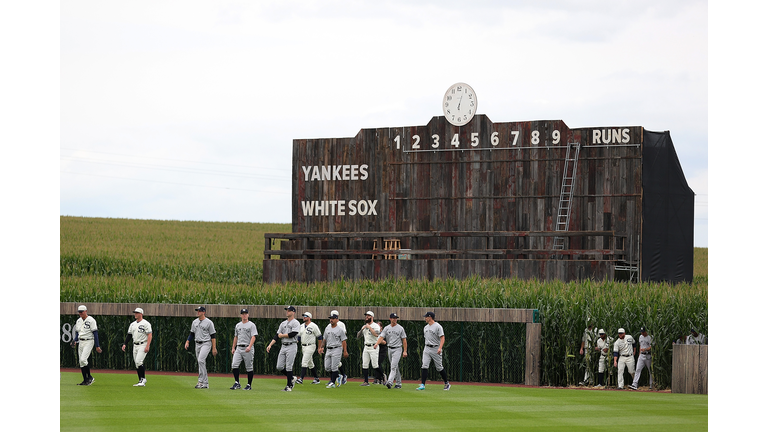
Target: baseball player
602, 345
204, 334
287, 331
342, 373
86, 337
242, 349
334, 337
397, 347
434, 339
644, 360
586, 348
624, 351
309, 334
140, 332
370, 332
695, 338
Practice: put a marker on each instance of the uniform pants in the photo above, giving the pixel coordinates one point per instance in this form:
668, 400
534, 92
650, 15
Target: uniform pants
430, 355
395, 354
139, 354
643, 361
332, 359
601, 366
286, 357
84, 348
307, 354
242, 356
201, 352
629, 363
370, 357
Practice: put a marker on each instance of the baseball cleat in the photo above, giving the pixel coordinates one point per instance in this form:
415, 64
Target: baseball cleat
331, 385
299, 381
293, 381
398, 386
343, 379
365, 384
141, 383
420, 387
247, 387
198, 385
316, 381
633, 387
447, 386
235, 386
338, 381
85, 382
287, 389
389, 385
90, 380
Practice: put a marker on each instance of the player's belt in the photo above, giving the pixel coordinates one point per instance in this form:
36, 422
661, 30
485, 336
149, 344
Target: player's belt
626, 355
288, 343
242, 345
333, 347
391, 347
140, 343
201, 342
432, 346
82, 339
370, 344
307, 344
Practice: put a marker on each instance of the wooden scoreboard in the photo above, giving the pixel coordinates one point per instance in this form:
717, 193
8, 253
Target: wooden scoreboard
528, 199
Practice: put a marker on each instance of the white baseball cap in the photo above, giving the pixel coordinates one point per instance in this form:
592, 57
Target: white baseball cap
139, 310
335, 312
621, 330
601, 331
82, 308
307, 314
369, 313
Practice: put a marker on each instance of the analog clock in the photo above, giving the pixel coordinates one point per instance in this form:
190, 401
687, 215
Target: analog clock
459, 104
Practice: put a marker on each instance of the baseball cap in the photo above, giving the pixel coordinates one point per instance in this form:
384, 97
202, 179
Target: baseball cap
369, 313
642, 329
393, 315
430, 314
334, 315
243, 310
291, 308
335, 312
139, 310
621, 330
601, 331
200, 308
307, 314
82, 308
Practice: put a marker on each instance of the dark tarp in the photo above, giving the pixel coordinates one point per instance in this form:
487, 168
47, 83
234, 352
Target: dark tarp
668, 204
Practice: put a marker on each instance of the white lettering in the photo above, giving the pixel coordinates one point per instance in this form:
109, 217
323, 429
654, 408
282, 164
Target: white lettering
307, 207
595, 136
615, 137
339, 208
352, 207
625, 135
606, 136
353, 172
306, 170
372, 207
363, 172
337, 172
362, 207
345, 172
326, 173
315, 173
333, 207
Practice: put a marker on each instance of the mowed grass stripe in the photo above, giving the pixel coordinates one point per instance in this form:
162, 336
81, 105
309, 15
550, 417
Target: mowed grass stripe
171, 403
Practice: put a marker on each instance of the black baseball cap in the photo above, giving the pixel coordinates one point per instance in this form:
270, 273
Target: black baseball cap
200, 308
430, 314
291, 308
243, 310
393, 315
642, 329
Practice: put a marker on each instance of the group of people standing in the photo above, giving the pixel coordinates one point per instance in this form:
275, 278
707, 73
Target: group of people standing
623, 350
381, 342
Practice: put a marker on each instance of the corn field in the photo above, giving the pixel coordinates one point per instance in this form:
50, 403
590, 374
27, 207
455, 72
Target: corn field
129, 261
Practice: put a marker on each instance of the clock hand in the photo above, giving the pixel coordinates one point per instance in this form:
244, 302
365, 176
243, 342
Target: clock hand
458, 107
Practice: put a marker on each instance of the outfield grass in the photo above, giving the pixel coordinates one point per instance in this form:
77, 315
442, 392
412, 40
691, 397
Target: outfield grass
169, 402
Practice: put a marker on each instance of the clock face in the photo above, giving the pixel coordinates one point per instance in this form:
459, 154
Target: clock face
459, 104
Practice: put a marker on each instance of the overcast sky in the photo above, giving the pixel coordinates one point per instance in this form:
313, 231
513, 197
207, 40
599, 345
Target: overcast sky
187, 110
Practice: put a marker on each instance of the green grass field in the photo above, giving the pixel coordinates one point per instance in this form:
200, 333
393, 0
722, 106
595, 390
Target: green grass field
169, 402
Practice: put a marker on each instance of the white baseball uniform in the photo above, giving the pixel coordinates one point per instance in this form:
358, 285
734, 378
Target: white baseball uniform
309, 334
602, 345
139, 332
371, 355
85, 341
625, 349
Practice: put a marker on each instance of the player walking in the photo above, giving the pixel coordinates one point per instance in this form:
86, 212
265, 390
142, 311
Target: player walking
287, 332
644, 360
204, 334
434, 339
309, 334
342, 373
370, 333
86, 337
140, 333
602, 345
624, 356
334, 337
397, 347
242, 349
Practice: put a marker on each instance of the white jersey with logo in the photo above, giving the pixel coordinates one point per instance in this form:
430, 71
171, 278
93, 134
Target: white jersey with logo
140, 330
368, 334
624, 346
602, 344
85, 328
309, 333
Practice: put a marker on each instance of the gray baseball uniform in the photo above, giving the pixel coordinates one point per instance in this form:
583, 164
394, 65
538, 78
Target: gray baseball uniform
243, 334
203, 331
432, 335
394, 337
333, 337
644, 359
288, 351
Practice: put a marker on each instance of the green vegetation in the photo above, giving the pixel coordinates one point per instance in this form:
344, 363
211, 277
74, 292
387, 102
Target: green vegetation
169, 403
117, 260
